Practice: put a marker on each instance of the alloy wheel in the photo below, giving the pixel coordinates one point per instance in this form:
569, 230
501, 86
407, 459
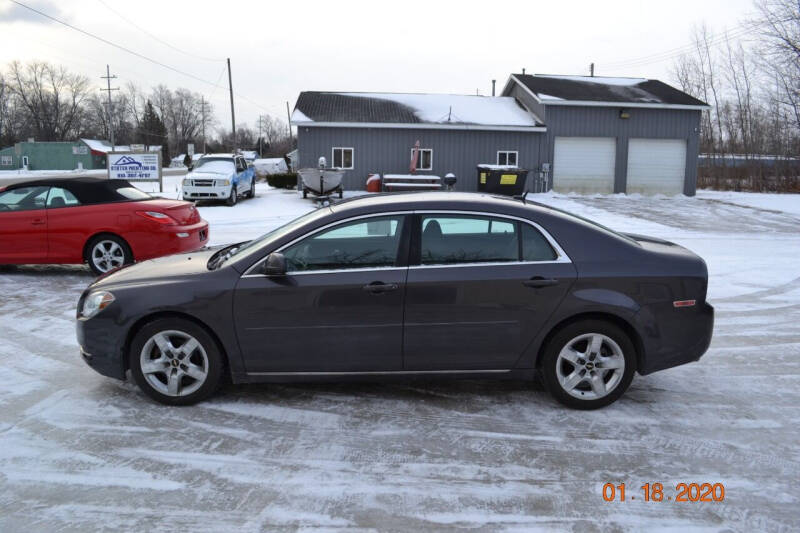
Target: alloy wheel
107, 255
174, 363
590, 366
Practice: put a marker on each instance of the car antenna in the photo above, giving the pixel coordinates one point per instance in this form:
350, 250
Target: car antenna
522, 197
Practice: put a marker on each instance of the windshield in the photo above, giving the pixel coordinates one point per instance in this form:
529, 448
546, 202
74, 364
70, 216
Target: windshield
215, 166
252, 246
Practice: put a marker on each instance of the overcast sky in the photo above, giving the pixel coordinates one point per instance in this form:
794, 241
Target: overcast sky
278, 49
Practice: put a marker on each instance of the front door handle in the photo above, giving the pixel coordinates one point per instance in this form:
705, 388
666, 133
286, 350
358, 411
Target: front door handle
379, 287
38, 222
539, 282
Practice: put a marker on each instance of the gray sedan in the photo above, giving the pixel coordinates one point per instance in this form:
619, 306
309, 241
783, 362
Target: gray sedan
402, 286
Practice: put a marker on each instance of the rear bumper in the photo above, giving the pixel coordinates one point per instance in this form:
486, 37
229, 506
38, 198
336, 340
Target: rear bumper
683, 344
170, 240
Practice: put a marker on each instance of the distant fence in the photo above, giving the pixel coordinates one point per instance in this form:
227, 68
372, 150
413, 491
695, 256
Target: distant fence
748, 172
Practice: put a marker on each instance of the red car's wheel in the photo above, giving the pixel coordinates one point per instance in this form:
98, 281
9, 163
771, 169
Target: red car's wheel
107, 252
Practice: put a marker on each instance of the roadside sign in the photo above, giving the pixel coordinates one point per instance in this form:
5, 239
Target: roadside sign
137, 148
190, 149
133, 166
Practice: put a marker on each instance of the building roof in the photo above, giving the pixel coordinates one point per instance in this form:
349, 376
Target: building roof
445, 111
596, 90
104, 147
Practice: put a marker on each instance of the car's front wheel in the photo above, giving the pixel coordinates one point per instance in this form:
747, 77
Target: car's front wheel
588, 364
252, 192
234, 197
107, 252
175, 362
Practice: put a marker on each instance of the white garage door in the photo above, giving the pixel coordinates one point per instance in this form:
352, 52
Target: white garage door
656, 166
584, 164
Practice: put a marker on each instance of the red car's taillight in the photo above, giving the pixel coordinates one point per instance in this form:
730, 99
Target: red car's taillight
155, 216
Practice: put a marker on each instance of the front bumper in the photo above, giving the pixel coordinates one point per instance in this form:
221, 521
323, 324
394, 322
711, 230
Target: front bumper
101, 346
193, 192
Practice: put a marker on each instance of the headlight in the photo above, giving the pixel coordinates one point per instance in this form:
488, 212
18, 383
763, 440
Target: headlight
223, 183
96, 302
187, 181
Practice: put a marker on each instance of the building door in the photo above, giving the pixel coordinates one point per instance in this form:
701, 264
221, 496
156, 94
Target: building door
656, 166
584, 164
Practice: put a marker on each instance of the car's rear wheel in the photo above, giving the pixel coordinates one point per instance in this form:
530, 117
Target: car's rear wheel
175, 362
588, 364
107, 252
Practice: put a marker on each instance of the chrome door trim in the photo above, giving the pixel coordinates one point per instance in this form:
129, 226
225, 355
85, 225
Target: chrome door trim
561, 255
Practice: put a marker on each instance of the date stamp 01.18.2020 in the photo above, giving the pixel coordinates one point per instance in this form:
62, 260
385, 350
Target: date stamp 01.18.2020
655, 492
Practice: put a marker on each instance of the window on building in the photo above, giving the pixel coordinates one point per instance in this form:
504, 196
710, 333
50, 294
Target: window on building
506, 157
425, 159
343, 158
362, 243
6, 160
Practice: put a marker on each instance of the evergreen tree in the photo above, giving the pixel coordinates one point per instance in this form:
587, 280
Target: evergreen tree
153, 132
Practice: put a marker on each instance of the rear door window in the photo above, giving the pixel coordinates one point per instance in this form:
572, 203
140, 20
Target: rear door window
454, 239
364, 243
59, 197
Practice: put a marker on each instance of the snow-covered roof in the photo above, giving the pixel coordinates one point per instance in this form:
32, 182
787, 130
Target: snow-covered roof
104, 147
550, 89
455, 111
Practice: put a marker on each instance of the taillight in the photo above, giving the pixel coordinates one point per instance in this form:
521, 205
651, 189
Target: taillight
155, 216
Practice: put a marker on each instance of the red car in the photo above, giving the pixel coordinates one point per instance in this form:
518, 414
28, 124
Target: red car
105, 223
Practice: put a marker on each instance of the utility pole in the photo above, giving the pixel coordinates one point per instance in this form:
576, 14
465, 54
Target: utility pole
108, 77
203, 123
260, 139
591, 70
289, 123
233, 113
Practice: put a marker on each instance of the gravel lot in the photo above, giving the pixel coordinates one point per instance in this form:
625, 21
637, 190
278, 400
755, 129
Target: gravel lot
81, 452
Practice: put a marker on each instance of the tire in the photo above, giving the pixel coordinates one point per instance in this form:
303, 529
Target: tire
572, 367
234, 197
305, 193
252, 192
341, 194
162, 370
106, 252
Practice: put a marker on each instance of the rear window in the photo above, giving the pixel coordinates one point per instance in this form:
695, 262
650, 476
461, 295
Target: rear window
132, 193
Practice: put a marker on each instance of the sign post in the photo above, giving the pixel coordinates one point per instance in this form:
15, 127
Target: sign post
134, 167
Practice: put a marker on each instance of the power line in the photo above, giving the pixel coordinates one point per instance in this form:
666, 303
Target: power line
743, 29
165, 43
129, 51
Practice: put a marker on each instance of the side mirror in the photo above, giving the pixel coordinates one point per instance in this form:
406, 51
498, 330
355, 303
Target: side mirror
275, 265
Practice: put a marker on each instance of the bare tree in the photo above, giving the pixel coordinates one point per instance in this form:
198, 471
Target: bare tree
51, 96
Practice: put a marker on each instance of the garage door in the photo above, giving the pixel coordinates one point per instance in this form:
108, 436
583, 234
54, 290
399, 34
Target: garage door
656, 166
584, 164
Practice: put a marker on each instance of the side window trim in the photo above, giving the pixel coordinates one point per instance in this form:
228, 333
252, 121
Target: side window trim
403, 248
415, 259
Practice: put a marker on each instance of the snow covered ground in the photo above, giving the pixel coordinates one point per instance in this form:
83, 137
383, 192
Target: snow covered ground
81, 452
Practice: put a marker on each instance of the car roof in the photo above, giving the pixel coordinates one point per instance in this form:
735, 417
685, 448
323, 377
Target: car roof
60, 182
218, 155
469, 201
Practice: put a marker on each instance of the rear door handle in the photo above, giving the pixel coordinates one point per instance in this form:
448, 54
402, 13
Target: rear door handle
378, 287
539, 282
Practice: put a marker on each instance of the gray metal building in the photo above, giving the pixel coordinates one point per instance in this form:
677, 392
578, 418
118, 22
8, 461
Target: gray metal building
574, 133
